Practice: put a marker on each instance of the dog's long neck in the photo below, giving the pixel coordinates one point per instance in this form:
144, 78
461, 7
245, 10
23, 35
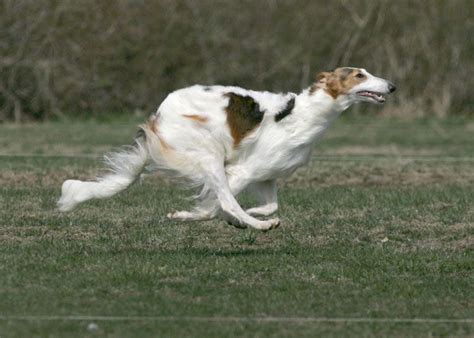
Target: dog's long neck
315, 111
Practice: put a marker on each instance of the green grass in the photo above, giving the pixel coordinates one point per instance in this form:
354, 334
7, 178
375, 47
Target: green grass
379, 225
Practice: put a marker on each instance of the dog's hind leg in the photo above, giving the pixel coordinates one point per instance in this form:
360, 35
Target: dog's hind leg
266, 193
195, 215
125, 167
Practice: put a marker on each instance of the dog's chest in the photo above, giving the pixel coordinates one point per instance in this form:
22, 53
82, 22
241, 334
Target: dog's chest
286, 161
274, 162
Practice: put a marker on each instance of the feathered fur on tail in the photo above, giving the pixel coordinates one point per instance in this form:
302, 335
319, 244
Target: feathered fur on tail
125, 167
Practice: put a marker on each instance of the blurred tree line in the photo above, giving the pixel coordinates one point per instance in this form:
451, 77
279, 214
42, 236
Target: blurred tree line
89, 57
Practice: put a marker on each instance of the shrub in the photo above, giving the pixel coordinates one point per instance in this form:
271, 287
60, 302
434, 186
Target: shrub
89, 57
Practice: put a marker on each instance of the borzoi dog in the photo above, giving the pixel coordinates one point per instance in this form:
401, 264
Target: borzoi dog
227, 139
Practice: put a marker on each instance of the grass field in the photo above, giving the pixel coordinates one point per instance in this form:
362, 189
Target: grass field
378, 226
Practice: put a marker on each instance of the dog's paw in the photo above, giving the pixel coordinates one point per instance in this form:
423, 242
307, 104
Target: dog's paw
271, 224
171, 215
267, 225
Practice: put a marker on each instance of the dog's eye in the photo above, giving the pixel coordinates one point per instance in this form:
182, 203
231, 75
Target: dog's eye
360, 75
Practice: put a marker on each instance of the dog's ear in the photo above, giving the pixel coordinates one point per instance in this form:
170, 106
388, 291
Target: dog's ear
329, 82
324, 80
323, 77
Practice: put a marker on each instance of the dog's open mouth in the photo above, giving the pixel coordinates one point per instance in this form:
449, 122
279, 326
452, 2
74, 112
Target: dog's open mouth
377, 97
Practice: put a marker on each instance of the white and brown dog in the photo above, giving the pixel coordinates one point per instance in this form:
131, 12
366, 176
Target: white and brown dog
227, 139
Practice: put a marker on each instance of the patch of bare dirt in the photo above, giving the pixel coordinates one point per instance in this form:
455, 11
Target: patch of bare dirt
46, 178
381, 174
392, 150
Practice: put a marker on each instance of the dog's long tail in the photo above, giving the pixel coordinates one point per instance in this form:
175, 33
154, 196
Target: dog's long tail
125, 167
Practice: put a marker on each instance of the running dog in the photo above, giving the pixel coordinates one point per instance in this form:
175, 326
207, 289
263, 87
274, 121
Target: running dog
226, 139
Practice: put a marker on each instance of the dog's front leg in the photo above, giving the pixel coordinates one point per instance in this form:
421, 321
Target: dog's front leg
225, 188
266, 193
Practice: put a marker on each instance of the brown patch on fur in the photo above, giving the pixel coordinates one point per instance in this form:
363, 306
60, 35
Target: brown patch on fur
243, 116
197, 118
338, 82
152, 125
320, 83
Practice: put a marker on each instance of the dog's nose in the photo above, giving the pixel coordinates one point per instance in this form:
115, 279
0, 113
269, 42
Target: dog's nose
391, 87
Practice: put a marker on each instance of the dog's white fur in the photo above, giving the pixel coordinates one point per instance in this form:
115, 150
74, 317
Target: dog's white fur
189, 136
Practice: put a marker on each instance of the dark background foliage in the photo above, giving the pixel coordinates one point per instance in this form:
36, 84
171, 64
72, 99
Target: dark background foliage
90, 58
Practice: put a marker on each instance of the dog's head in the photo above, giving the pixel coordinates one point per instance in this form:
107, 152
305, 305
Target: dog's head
355, 84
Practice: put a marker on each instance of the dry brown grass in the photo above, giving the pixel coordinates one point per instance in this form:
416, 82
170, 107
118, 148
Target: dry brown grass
320, 174
382, 172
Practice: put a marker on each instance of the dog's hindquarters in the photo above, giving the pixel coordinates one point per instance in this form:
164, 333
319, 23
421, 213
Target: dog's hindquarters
150, 152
